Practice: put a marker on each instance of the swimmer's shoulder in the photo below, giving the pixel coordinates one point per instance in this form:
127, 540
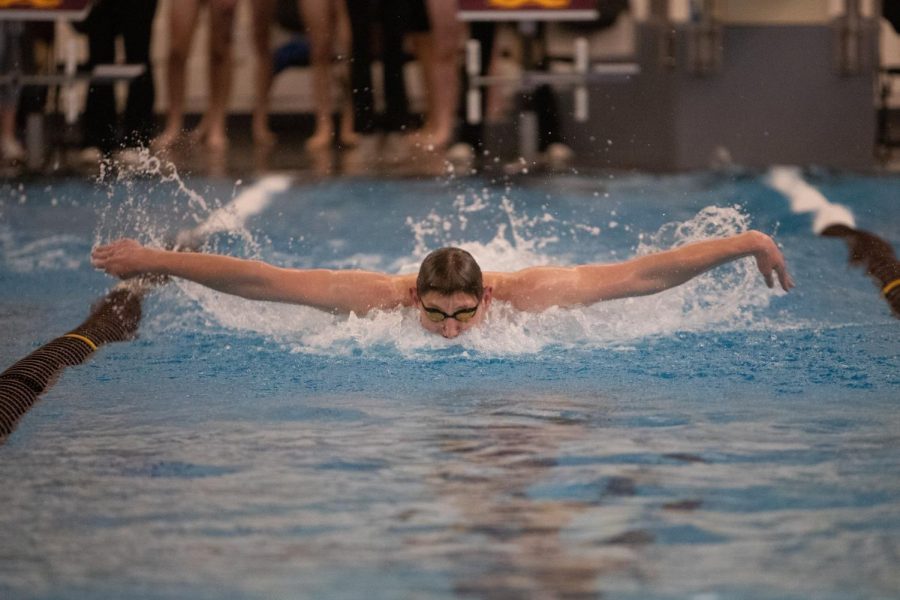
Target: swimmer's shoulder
503, 285
400, 286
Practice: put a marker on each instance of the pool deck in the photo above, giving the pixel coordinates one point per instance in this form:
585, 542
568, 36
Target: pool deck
394, 155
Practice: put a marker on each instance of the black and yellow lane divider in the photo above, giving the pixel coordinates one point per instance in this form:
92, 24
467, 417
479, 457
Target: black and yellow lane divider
114, 318
874, 255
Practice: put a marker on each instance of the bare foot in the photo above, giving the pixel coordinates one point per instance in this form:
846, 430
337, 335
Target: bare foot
439, 139
263, 136
321, 139
431, 139
417, 137
199, 133
349, 138
11, 149
166, 139
216, 140
211, 135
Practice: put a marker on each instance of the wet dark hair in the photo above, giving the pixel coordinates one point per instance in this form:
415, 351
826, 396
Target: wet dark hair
450, 270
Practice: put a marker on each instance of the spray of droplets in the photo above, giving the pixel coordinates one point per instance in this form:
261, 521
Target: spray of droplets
149, 200
152, 202
725, 298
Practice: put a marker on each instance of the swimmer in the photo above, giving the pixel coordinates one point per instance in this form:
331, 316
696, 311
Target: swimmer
450, 292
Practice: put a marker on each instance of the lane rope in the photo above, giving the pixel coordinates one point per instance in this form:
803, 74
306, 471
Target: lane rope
890, 287
84, 339
117, 317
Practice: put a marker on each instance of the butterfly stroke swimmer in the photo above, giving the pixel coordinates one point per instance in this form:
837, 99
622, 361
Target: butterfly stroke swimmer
450, 291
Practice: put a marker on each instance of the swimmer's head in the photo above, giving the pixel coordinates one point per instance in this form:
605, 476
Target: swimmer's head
450, 270
450, 294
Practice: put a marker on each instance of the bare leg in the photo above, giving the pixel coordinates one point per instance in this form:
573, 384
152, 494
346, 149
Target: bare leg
7, 123
319, 17
348, 136
444, 93
221, 22
263, 15
10, 148
182, 23
424, 48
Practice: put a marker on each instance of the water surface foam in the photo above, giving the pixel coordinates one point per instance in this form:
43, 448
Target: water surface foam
727, 298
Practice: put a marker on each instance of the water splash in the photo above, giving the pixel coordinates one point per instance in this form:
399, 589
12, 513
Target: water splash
519, 239
724, 299
53, 252
196, 219
152, 201
134, 209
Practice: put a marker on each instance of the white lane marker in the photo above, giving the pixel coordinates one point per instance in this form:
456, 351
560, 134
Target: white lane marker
805, 198
250, 202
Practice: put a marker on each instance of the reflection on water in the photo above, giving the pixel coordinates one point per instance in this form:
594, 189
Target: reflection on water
193, 487
734, 445
290, 501
521, 547
475, 494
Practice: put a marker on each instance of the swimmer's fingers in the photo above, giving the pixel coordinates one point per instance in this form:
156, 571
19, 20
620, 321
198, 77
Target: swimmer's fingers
104, 260
780, 270
779, 266
106, 249
771, 263
765, 265
101, 252
771, 268
118, 258
101, 255
784, 278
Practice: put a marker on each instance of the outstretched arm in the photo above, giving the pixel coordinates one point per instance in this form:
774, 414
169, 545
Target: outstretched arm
329, 290
539, 288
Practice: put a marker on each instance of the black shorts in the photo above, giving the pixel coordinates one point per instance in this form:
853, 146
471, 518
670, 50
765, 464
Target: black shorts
416, 16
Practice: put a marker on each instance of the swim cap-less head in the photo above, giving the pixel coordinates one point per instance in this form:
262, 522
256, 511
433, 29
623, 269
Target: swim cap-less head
448, 271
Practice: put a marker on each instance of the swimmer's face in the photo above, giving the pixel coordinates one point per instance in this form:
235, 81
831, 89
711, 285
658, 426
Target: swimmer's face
451, 315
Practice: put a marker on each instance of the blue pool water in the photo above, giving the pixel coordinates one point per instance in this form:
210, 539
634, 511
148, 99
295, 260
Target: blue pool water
716, 441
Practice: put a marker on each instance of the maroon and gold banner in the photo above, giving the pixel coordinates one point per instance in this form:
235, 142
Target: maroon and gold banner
44, 9
527, 10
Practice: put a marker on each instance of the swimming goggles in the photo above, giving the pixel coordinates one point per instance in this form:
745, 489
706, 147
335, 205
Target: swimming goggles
463, 315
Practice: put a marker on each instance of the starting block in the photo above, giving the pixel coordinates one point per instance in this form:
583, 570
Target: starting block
527, 13
59, 11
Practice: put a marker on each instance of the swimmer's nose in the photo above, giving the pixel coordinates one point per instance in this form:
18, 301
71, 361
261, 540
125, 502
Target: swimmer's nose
450, 329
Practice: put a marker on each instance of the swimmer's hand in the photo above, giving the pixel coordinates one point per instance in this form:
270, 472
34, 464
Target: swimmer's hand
770, 260
122, 258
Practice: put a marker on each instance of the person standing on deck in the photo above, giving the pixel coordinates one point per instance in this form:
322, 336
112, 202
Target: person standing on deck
132, 21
